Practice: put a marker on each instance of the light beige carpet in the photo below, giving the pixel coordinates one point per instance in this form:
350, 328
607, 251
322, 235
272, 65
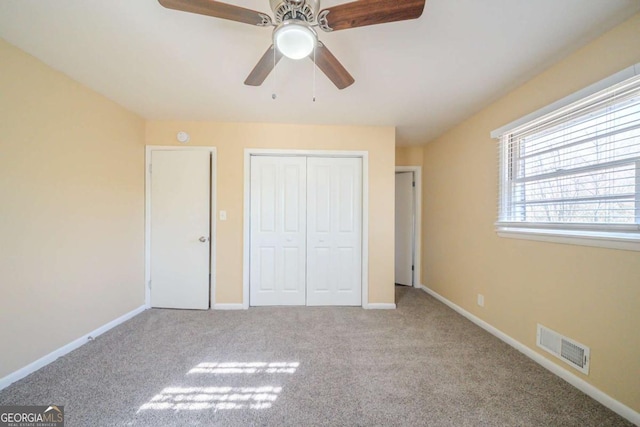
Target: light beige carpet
419, 365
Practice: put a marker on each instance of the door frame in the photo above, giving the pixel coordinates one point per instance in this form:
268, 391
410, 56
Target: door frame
417, 215
147, 217
246, 251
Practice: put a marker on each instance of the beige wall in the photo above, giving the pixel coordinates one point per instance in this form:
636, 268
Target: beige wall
590, 294
231, 139
71, 210
409, 155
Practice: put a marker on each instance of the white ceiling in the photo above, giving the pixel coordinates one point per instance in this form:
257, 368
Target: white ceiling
423, 76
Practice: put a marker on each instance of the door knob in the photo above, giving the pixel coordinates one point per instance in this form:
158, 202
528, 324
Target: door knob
203, 239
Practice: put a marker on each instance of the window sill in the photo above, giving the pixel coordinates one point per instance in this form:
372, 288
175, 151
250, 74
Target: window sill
610, 240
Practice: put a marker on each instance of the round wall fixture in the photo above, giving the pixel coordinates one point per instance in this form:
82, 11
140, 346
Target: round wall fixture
183, 137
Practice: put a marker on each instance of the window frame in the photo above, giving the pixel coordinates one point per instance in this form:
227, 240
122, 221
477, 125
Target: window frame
615, 236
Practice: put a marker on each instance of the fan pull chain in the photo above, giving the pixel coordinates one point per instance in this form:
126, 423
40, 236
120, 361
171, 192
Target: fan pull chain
314, 73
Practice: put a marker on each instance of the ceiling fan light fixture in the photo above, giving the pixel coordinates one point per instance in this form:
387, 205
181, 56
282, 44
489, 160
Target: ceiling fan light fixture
295, 39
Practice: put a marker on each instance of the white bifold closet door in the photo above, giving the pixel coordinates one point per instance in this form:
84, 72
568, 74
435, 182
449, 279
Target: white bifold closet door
278, 231
306, 231
334, 231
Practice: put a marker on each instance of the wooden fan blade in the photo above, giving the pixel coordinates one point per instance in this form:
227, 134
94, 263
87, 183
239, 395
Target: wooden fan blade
218, 10
330, 65
266, 64
369, 12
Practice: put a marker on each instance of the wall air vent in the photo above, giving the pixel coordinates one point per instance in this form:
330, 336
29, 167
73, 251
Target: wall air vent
566, 349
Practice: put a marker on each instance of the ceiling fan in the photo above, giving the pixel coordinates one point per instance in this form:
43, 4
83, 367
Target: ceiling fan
294, 23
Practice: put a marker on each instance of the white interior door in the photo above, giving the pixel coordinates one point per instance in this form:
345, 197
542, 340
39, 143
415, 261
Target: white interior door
180, 229
278, 231
334, 231
404, 229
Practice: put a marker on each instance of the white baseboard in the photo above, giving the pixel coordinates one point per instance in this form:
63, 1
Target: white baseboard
239, 306
380, 306
588, 389
45, 360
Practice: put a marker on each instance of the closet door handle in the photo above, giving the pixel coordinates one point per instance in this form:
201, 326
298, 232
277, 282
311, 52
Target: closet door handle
203, 239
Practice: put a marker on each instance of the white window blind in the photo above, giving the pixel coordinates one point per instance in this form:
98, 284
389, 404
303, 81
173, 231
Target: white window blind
577, 168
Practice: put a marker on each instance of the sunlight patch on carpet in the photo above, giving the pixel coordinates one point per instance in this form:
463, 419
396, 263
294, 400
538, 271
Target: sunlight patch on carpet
199, 398
222, 397
245, 368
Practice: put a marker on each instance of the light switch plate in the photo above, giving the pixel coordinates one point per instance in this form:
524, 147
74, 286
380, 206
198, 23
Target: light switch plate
223, 215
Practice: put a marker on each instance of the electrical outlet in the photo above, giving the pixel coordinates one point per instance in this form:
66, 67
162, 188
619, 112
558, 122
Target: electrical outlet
481, 300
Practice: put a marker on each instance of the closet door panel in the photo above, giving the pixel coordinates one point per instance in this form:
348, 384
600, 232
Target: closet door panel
334, 231
278, 231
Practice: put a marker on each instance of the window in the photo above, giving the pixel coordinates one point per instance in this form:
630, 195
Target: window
575, 172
